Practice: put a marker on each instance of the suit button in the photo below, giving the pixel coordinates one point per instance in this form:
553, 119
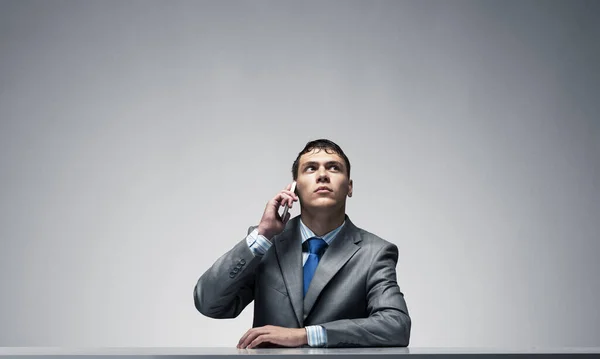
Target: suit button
236, 269
231, 275
242, 262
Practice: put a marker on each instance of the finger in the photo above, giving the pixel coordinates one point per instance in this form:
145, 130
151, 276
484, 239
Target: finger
294, 196
283, 198
253, 335
264, 338
248, 332
284, 201
291, 194
243, 338
249, 339
291, 198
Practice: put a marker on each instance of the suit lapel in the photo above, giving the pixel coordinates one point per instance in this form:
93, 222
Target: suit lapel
288, 246
339, 252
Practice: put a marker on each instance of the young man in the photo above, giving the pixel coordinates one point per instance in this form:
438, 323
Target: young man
317, 279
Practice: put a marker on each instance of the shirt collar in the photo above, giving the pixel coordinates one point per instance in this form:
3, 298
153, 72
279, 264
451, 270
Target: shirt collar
328, 238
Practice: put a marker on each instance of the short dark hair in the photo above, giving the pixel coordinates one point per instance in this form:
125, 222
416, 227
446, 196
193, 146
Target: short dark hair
320, 144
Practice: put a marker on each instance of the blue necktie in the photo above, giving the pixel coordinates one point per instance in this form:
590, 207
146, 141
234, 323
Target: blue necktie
316, 247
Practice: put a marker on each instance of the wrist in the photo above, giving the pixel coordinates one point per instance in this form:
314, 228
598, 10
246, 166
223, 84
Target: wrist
316, 336
304, 333
265, 233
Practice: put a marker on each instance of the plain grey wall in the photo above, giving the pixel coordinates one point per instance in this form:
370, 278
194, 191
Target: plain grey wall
140, 139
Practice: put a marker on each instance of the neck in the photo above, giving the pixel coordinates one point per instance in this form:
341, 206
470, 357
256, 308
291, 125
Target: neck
323, 222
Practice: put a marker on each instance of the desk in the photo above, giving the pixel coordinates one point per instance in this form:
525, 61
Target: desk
296, 353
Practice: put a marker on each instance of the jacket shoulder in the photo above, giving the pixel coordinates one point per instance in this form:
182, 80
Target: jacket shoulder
374, 241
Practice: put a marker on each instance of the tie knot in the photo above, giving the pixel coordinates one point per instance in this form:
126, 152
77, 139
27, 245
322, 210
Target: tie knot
316, 245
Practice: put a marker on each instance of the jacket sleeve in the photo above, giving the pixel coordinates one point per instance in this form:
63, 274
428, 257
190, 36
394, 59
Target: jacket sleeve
388, 322
227, 287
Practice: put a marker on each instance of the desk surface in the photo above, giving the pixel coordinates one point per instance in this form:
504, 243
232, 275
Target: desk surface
223, 353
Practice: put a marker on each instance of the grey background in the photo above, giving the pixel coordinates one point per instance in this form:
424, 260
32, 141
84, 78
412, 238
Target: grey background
140, 139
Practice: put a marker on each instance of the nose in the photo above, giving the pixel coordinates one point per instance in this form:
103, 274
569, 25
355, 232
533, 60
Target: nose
322, 175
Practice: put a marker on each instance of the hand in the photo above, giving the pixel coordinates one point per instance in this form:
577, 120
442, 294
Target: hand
270, 334
271, 222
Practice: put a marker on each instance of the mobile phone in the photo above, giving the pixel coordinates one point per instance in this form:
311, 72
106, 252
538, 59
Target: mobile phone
285, 208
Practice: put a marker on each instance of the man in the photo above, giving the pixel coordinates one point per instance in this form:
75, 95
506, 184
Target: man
317, 279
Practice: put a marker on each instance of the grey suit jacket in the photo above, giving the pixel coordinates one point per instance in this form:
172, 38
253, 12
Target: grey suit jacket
353, 294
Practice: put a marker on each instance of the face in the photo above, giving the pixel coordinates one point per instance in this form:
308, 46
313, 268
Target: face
322, 181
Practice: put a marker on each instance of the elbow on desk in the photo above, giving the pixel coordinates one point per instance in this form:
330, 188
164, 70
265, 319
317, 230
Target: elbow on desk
403, 334
398, 333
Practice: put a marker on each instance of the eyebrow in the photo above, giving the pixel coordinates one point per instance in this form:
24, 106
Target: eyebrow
327, 164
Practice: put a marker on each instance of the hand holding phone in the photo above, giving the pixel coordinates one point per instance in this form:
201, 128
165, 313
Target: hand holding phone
271, 222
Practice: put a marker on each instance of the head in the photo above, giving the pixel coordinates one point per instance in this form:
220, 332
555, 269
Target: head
322, 175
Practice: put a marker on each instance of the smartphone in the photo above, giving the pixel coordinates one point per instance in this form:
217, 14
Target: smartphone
285, 208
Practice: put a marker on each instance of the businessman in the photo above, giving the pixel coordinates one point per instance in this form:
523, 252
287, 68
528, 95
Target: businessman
317, 279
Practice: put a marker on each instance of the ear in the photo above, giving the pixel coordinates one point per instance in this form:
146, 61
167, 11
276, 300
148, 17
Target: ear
350, 187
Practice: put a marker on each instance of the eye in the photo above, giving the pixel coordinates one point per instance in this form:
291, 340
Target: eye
308, 168
334, 167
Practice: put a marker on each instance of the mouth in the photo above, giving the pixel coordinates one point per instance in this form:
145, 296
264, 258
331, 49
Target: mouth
323, 189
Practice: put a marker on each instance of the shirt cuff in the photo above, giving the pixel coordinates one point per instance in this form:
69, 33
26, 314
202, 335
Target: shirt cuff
317, 336
258, 244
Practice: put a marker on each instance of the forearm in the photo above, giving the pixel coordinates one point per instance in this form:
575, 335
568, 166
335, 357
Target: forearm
386, 328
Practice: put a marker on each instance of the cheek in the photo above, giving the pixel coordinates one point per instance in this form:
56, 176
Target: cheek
303, 185
344, 185
301, 193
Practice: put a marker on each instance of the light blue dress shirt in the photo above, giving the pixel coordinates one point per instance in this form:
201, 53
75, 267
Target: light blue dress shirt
259, 245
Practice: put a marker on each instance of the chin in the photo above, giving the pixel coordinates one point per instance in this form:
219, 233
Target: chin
325, 203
